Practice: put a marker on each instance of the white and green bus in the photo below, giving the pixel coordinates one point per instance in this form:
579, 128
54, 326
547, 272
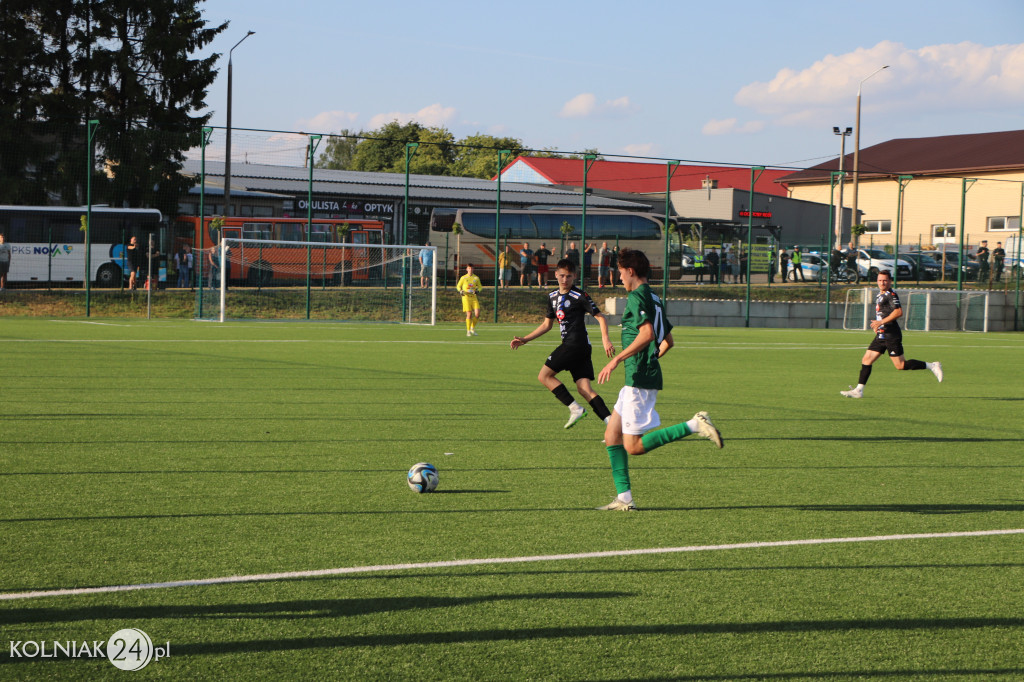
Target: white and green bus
48, 242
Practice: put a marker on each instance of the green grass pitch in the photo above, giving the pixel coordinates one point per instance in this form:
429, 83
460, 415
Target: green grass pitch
142, 452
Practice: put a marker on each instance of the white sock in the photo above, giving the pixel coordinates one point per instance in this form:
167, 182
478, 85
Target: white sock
693, 425
627, 496
607, 419
575, 406
859, 387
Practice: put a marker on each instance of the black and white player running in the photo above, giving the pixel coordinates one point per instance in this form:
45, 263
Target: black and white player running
570, 306
888, 338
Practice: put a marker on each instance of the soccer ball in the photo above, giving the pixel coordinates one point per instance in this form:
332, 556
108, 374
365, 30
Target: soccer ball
423, 477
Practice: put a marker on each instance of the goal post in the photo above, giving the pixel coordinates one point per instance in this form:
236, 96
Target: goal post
924, 310
279, 280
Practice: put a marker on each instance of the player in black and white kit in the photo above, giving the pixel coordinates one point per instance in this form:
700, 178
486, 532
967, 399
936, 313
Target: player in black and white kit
570, 306
888, 338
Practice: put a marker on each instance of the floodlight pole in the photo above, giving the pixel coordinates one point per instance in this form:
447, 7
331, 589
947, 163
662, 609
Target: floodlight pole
856, 144
227, 143
842, 153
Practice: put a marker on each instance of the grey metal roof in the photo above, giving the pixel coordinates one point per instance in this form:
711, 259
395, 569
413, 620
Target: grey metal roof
434, 188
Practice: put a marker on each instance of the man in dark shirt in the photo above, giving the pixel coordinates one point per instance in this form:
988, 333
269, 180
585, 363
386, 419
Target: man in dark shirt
982, 256
888, 338
542, 254
998, 258
712, 261
570, 306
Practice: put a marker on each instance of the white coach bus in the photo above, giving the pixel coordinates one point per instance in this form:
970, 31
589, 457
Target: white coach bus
48, 242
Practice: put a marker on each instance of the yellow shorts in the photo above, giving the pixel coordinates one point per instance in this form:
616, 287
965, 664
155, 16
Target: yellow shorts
470, 302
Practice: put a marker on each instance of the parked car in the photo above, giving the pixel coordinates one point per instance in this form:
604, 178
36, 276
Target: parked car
927, 268
683, 255
810, 264
872, 261
970, 267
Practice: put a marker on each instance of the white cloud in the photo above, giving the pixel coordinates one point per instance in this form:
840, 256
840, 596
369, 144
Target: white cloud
640, 149
585, 105
579, 106
433, 115
951, 76
328, 121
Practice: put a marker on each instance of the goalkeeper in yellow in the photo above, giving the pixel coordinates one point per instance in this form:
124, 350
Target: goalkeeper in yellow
469, 286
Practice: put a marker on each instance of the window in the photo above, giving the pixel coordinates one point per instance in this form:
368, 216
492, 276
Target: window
878, 226
256, 230
1004, 223
944, 231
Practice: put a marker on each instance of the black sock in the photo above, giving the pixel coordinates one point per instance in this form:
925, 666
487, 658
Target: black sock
562, 393
915, 364
865, 372
600, 409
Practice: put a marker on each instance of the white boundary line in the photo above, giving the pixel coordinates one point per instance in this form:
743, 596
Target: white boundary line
266, 577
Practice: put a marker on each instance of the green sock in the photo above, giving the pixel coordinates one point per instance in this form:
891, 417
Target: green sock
620, 467
655, 439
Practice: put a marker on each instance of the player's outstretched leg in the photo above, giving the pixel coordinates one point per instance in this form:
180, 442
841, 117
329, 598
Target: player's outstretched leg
701, 425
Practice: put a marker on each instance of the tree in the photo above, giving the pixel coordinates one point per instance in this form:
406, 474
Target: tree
384, 149
148, 88
477, 155
340, 151
22, 80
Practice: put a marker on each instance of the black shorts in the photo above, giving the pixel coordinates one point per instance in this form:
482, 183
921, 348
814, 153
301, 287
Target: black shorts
574, 359
893, 345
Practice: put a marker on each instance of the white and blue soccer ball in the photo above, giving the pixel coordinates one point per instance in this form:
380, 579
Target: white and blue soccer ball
423, 477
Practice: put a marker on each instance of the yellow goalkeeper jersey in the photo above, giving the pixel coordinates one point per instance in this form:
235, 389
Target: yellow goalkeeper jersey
469, 285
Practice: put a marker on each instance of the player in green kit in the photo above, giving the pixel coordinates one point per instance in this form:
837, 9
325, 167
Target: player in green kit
646, 336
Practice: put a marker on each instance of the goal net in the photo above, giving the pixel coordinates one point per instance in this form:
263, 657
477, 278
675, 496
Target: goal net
924, 310
279, 280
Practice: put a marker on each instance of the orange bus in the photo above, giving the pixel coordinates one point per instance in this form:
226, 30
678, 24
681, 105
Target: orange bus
281, 263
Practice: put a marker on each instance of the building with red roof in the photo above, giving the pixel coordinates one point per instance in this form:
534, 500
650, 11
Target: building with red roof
638, 178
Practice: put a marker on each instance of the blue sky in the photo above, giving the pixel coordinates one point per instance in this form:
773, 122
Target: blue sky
741, 82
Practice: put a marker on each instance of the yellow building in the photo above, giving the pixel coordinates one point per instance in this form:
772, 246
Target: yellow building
979, 176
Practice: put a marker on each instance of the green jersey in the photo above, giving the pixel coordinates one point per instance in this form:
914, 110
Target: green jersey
644, 307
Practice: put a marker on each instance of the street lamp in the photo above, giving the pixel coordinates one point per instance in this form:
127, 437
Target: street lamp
842, 153
227, 154
856, 142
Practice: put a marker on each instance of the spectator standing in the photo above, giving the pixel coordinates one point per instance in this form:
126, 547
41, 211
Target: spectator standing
613, 264
743, 265
573, 254
5, 261
982, 255
541, 255
504, 272
525, 258
183, 264
783, 264
798, 264
998, 258
426, 265
713, 265
588, 260
603, 261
